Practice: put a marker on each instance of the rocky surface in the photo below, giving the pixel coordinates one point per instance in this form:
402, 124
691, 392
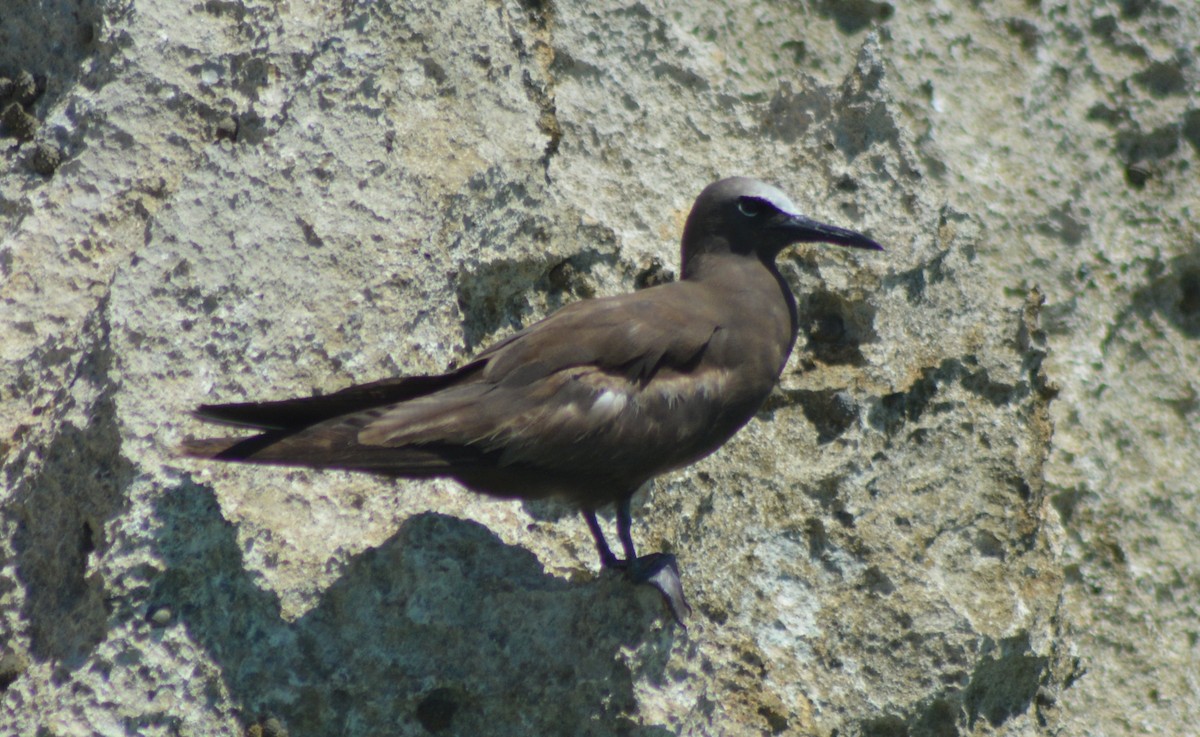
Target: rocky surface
970, 508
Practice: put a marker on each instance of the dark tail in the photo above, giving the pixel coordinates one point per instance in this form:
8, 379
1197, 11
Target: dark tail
284, 448
322, 432
297, 414
207, 447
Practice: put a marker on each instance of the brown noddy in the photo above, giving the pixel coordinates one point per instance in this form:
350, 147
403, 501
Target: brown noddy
591, 402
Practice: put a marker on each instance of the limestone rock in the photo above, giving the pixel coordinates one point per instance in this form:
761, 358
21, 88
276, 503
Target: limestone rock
970, 508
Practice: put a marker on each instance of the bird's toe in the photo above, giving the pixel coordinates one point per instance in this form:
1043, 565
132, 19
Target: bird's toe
661, 571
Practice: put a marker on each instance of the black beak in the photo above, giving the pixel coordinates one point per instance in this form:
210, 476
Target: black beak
800, 229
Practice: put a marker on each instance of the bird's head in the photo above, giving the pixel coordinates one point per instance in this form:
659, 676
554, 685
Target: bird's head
744, 216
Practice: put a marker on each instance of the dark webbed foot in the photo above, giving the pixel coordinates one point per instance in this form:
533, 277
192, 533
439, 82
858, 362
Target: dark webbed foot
662, 572
659, 570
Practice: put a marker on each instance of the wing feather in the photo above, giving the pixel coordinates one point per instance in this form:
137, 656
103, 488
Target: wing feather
545, 380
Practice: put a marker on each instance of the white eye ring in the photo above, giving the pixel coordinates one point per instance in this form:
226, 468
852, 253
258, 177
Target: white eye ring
749, 207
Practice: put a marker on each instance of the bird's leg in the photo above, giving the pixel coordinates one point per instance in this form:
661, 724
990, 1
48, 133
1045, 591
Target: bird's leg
607, 559
625, 528
657, 569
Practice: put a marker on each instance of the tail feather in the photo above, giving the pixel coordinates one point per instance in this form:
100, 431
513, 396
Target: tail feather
323, 432
245, 449
299, 413
207, 447
272, 449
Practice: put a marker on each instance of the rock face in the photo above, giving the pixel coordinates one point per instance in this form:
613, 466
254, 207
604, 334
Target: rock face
971, 507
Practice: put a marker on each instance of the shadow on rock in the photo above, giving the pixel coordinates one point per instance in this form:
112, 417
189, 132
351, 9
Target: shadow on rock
58, 512
441, 629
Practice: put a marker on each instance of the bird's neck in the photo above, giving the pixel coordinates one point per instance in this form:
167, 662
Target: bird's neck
755, 293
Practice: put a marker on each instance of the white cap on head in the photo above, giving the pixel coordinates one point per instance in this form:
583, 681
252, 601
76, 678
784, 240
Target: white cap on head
763, 191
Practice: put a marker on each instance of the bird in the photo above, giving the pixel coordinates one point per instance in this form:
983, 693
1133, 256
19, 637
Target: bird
588, 404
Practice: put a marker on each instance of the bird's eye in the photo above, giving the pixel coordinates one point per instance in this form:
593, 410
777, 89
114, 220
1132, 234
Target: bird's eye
751, 207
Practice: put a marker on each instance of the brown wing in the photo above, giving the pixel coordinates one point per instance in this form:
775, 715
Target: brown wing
618, 385
541, 377
631, 334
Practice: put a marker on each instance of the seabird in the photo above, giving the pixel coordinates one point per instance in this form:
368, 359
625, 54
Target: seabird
588, 404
